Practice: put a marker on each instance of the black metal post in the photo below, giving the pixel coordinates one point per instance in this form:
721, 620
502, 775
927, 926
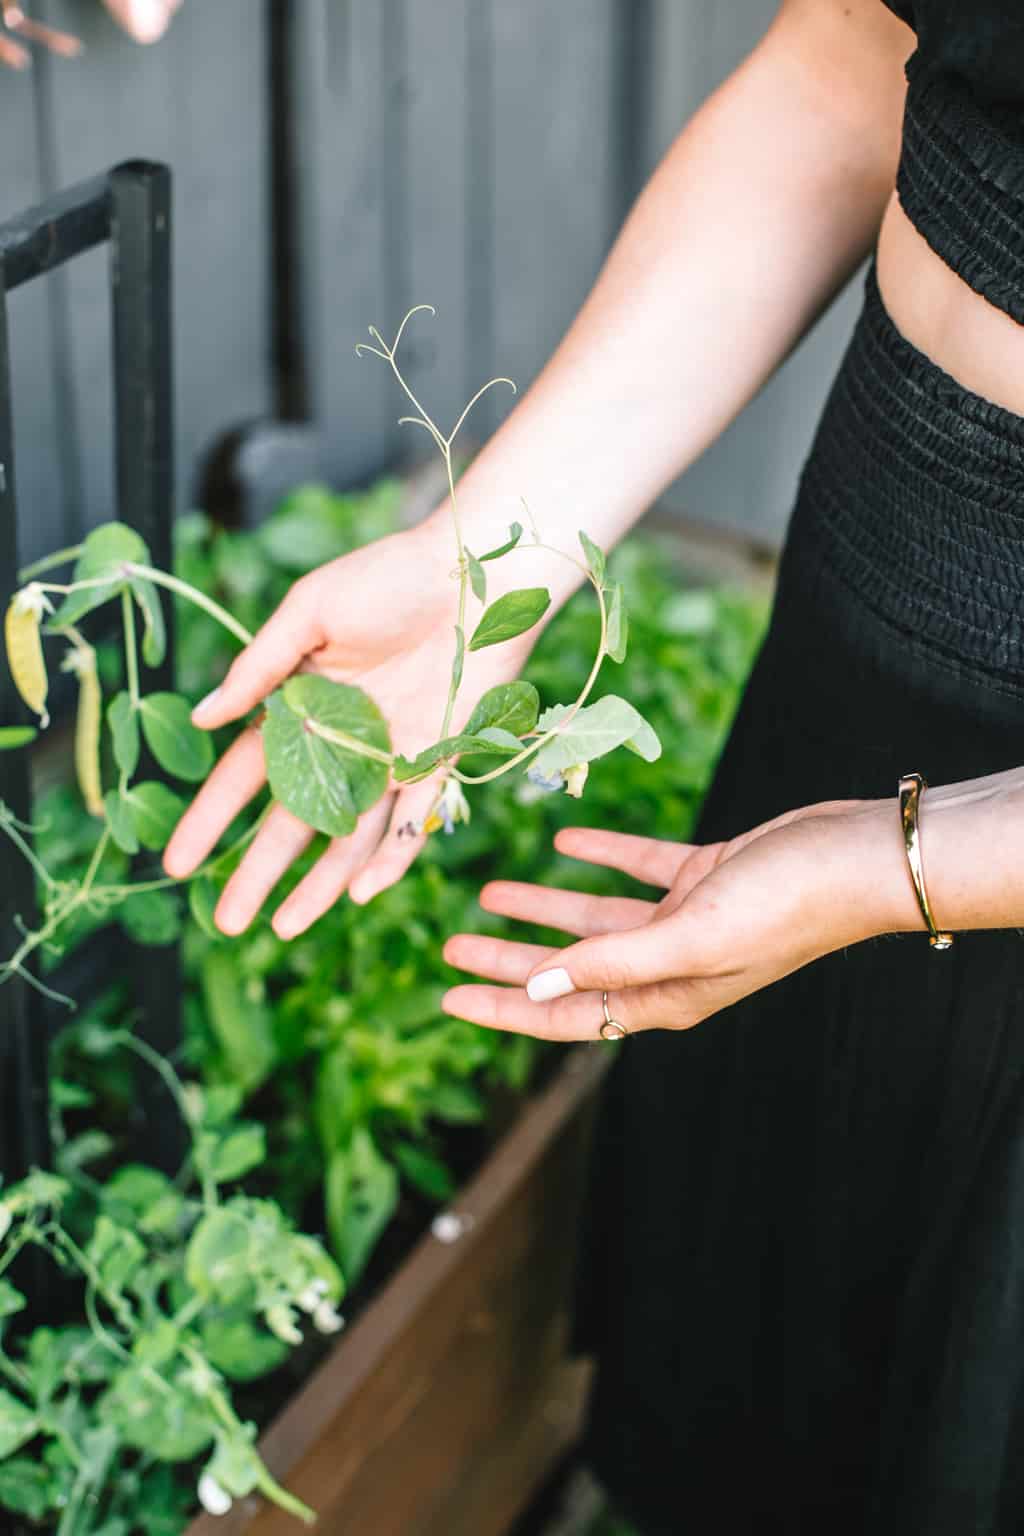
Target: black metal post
24, 1130
140, 276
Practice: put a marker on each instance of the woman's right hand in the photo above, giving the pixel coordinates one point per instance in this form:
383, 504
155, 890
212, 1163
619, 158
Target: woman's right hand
382, 617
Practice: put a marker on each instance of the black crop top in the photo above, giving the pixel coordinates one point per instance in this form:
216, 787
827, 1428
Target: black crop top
960, 177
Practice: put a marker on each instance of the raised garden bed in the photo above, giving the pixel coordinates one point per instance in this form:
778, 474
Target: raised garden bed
444, 1407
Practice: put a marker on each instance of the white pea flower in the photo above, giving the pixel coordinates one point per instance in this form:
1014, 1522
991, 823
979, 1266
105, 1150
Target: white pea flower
281, 1321
6, 1217
32, 599
326, 1319
214, 1499
575, 778
314, 1293
451, 806
545, 782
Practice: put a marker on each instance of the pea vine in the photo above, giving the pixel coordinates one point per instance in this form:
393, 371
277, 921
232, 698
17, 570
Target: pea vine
187, 1288
327, 746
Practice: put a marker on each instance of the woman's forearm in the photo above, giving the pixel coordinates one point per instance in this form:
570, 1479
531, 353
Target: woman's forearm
756, 217
972, 851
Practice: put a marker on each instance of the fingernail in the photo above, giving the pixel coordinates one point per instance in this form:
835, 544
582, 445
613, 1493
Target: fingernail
206, 704
548, 984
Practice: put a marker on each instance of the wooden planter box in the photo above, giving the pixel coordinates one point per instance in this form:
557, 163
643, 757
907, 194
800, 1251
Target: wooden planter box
448, 1401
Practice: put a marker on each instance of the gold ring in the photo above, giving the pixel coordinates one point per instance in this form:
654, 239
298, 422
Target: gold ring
611, 1029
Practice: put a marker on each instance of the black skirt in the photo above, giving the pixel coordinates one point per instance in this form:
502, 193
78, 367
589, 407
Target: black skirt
803, 1261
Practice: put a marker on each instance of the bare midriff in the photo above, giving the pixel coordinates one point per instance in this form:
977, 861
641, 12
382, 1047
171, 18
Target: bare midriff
980, 346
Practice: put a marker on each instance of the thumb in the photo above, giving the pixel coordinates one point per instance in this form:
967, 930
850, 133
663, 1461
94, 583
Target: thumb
632, 957
290, 633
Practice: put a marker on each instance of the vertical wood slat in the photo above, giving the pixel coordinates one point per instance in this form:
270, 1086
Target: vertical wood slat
342, 71
24, 1139
461, 154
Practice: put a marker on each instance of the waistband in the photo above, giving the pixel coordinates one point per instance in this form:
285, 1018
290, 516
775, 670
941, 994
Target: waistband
914, 492
960, 181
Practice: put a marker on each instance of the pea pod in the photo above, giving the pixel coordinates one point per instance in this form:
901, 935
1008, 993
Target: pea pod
82, 661
24, 647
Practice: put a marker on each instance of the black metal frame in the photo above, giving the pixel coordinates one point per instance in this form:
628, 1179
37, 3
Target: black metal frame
129, 209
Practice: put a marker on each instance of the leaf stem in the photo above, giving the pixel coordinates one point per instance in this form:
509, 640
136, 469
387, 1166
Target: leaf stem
183, 589
47, 563
131, 657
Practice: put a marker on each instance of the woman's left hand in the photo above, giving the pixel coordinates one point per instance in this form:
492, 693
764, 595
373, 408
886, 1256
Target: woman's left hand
736, 916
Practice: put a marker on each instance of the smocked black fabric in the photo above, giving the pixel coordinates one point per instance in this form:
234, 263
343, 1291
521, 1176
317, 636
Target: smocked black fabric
803, 1268
960, 176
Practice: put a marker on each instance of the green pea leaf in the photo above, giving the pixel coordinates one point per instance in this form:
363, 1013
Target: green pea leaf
595, 557
116, 1253
511, 615
27, 1487
124, 729
243, 1028
322, 782
150, 917
157, 1344
236, 1344
219, 1256
11, 1299
618, 624
104, 552
594, 730
405, 768
18, 1423
174, 741
203, 896
235, 1464
361, 1193
12, 736
156, 811
138, 1196
477, 577
154, 631
235, 1154
424, 1171
120, 821
164, 1418
510, 706
515, 533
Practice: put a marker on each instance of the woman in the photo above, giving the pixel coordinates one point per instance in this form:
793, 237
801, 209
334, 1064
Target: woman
802, 1275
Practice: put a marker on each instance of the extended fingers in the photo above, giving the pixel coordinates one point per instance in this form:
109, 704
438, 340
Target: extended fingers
279, 841
331, 874
669, 1005
400, 843
651, 859
287, 637
498, 959
574, 912
231, 785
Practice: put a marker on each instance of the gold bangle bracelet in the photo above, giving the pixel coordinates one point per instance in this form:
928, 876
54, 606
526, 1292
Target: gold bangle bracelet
911, 785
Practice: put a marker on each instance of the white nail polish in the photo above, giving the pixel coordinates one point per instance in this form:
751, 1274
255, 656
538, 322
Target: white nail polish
548, 984
207, 703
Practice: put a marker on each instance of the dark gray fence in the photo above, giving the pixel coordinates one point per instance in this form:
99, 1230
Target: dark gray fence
336, 161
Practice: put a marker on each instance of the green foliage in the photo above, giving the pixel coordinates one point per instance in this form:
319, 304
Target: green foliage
354, 1087
188, 1285
311, 728
513, 614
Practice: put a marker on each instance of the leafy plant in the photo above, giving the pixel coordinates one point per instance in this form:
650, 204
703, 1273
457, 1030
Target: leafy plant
121, 1419
327, 746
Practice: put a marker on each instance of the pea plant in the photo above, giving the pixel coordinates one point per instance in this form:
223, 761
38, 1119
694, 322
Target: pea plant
327, 746
127, 1419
